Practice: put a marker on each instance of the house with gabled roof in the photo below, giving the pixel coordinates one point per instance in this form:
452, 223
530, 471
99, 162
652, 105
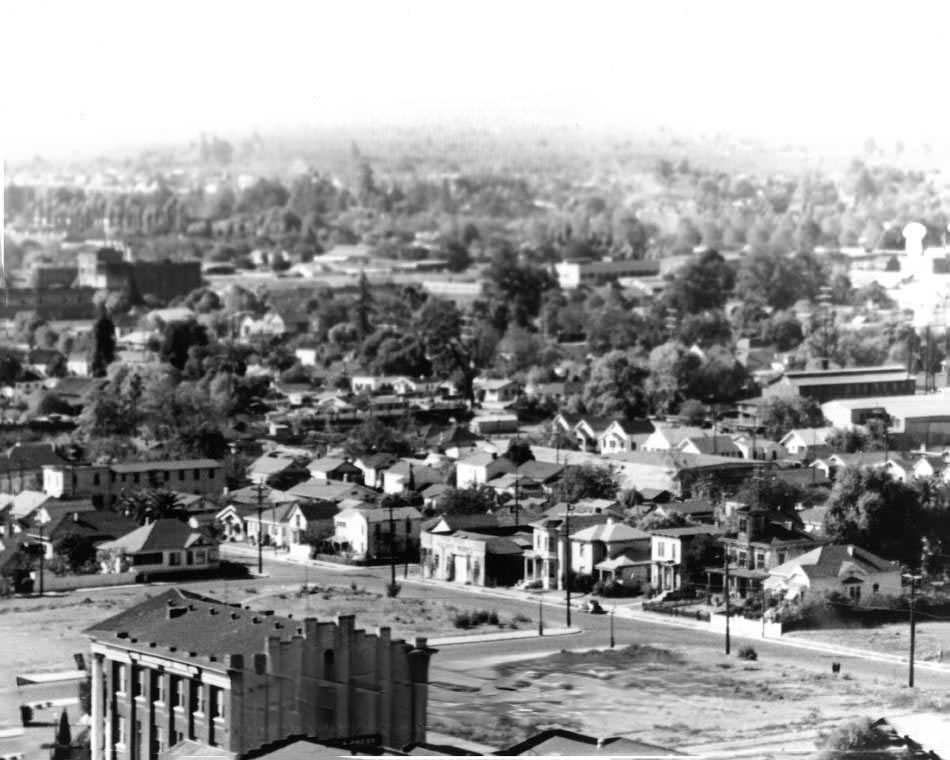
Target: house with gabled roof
610, 540
370, 533
808, 443
479, 468
624, 435
715, 445
846, 569
673, 566
563, 743
335, 468
414, 475
668, 437
373, 466
931, 466
544, 559
162, 546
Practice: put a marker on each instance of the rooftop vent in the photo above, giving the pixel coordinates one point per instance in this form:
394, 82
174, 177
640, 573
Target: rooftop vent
122, 634
176, 612
212, 611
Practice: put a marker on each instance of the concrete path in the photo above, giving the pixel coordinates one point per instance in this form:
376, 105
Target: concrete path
481, 638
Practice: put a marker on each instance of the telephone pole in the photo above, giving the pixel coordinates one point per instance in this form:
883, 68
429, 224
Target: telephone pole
392, 545
567, 563
913, 629
726, 590
260, 528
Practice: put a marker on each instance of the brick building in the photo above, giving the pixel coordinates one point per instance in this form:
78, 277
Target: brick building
108, 269
180, 667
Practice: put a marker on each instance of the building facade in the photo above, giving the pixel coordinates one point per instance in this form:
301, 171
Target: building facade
181, 667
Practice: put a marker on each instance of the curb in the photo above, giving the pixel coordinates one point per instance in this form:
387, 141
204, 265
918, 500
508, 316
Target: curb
479, 638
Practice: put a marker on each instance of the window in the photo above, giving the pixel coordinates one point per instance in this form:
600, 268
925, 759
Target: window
854, 591
181, 474
211, 473
168, 476
120, 676
329, 665
123, 477
138, 682
876, 587
174, 559
112, 477
180, 685
197, 474
95, 479
120, 731
189, 558
135, 478
200, 557
217, 702
660, 549
158, 686
197, 697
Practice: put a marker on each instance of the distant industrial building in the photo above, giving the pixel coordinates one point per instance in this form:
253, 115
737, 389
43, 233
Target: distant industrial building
65, 303
109, 269
912, 421
181, 670
572, 274
857, 382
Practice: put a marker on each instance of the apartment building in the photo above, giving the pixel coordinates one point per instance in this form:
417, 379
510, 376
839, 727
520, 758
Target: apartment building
180, 667
104, 484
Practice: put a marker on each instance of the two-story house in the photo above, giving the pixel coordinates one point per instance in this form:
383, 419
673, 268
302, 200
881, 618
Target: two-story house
368, 533
544, 561
611, 551
765, 540
679, 556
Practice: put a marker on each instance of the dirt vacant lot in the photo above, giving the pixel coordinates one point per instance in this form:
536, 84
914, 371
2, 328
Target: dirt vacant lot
668, 697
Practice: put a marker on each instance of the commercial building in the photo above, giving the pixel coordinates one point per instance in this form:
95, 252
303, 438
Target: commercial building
50, 304
574, 273
109, 269
180, 667
912, 421
855, 382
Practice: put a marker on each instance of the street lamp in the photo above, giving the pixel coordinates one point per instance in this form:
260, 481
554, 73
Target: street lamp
540, 612
42, 519
260, 527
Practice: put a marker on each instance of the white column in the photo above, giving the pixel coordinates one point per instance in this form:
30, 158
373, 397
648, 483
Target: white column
95, 732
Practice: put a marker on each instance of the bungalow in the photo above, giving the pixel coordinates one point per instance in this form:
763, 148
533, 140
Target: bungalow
367, 534
333, 468
679, 556
373, 466
665, 437
591, 546
292, 525
845, 569
21, 468
808, 443
764, 449
544, 473
163, 546
79, 519
497, 393
589, 430
271, 464
831, 465
270, 325
624, 435
306, 355
494, 424
332, 490
413, 475
695, 510
246, 501
478, 469
78, 364
813, 520
717, 445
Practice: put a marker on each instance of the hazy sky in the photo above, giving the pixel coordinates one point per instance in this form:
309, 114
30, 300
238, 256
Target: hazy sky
86, 74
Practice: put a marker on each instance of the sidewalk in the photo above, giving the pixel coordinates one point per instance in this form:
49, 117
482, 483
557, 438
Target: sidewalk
269, 555
483, 638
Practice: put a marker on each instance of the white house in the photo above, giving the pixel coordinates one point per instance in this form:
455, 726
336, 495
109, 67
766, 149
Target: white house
366, 533
845, 569
665, 438
717, 445
271, 325
478, 469
807, 442
671, 564
497, 393
306, 355
931, 466
624, 435
163, 546
606, 540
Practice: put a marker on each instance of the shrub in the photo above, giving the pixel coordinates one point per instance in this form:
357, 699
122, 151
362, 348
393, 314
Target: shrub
748, 653
392, 590
475, 618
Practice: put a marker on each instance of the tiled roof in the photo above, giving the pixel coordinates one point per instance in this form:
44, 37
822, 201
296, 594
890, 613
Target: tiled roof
560, 742
830, 560
540, 471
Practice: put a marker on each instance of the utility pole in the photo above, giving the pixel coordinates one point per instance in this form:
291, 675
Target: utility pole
260, 528
517, 506
612, 610
726, 589
567, 563
913, 630
392, 545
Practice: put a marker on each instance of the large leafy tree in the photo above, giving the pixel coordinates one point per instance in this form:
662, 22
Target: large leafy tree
103, 344
439, 325
467, 501
615, 387
586, 482
520, 287
704, 283
778, 415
